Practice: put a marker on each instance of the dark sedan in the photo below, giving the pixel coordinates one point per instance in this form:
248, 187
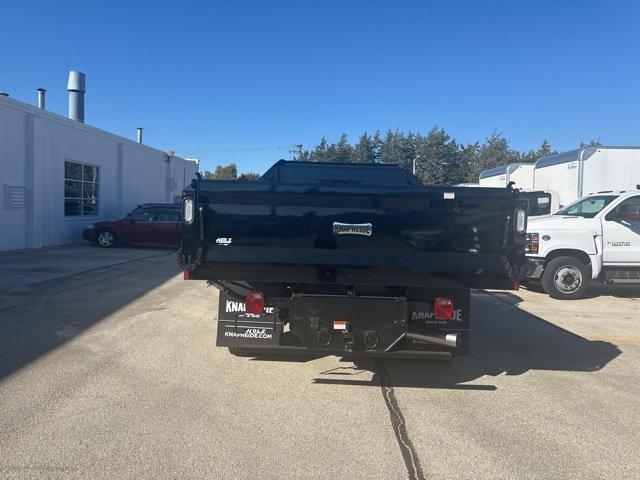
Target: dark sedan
148, 224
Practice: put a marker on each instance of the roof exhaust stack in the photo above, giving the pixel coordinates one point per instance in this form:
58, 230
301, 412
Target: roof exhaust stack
139, 134
41, 94
76, 89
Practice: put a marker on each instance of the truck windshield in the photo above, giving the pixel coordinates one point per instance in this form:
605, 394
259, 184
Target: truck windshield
587, 207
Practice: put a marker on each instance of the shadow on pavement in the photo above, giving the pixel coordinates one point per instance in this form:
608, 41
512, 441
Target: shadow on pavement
596, 289
36, 318
504, 340
620, 291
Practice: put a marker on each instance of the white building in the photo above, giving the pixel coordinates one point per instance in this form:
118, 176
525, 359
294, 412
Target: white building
59, 174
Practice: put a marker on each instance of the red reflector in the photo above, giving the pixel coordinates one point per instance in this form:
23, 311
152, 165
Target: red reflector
516, 286
185, 274
443, 309
254, 302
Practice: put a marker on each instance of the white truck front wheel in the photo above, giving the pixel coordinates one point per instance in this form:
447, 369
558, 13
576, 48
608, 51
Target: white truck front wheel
566, 278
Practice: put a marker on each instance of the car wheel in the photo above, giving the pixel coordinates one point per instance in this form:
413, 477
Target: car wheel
106, 239
566, 278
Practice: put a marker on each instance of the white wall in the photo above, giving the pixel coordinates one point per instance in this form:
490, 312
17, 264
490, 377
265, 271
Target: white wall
34, 145
608, 168
13, 223
560, 179
494, 181
611, 169
522, 175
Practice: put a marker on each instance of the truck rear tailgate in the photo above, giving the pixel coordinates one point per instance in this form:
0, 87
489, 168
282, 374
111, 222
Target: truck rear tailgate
320, 231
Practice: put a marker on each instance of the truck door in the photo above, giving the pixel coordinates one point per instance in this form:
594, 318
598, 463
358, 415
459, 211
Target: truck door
621, 233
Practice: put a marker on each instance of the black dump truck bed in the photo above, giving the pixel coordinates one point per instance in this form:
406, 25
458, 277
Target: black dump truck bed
349, 224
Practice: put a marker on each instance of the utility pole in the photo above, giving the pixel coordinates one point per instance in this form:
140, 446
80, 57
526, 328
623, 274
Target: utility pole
414, 163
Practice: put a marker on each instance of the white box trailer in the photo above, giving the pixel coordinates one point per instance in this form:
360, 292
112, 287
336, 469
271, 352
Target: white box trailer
519, 173
573, 174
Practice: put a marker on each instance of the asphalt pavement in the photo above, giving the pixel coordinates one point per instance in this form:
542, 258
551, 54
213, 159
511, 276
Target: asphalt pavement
108, 369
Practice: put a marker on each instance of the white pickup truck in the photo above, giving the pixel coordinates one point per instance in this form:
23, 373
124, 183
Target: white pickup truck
596, 237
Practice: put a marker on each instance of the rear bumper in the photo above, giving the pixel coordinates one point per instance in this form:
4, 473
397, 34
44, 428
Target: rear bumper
373, 326
289, 350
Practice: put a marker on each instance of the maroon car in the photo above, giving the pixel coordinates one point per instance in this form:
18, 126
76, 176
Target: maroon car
148, 224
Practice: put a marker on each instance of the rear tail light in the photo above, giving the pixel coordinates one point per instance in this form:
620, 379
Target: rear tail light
521, 220
185, 274
188, 211
443, 309
254, 302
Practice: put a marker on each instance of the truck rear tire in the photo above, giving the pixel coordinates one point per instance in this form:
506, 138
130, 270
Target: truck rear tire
566, 278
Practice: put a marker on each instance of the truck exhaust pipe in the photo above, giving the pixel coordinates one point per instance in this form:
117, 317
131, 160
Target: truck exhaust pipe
450, 340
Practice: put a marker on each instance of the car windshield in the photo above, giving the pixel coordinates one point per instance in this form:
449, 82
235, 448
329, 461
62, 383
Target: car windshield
587, 207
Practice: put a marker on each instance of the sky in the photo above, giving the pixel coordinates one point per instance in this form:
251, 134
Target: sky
240, 81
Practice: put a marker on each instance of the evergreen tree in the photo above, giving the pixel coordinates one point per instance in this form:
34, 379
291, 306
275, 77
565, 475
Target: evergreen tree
250, 176
398, 148
545, 149
440, 160
468, 161
341, 151
495, 151
376, 142
364, 151
437, 162
534, 155
593, 143
319, 153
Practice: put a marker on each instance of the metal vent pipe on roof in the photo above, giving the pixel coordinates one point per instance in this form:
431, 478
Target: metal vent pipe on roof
76, 89
139, 134
41, 94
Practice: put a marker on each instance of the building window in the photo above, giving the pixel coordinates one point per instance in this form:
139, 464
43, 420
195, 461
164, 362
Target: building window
81, 182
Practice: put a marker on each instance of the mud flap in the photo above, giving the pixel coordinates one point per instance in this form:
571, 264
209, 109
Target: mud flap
236, 328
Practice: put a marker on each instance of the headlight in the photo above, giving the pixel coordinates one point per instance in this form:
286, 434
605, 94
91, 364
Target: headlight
533, 243
521, 220
188, 211
91, 226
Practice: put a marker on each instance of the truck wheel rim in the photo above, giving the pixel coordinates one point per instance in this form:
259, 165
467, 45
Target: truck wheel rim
568, 279
105, 239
